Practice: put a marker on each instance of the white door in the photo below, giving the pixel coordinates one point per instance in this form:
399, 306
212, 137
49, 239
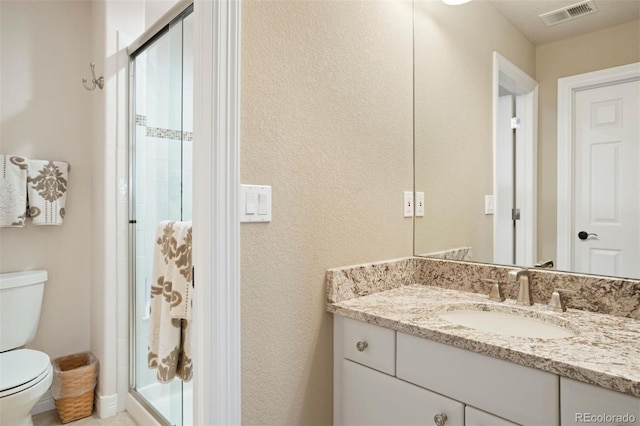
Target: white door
504, 234
607, 180
513, 242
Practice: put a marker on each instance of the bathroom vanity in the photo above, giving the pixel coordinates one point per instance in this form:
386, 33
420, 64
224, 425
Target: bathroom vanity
399, 359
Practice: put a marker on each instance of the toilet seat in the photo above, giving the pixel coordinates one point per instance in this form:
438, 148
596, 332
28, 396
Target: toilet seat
21, 369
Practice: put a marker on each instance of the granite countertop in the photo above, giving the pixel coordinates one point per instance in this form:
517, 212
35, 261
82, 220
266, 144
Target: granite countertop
605, 350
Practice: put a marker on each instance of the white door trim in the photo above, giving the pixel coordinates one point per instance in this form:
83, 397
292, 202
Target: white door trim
567, 87
525, 88
216, 171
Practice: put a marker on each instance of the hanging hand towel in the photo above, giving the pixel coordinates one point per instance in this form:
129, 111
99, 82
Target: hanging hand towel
47, 191
180, 271
13, 191
169, 342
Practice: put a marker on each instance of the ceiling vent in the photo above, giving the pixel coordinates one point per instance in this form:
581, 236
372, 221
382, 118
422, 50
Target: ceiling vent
568, 13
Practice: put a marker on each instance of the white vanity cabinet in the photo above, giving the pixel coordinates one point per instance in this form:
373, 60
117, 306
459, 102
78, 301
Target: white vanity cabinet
366, 391
392, 378
584, 403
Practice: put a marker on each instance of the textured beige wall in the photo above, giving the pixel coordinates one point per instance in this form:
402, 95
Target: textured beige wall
454, 119
607, 48
327, 121
46, 114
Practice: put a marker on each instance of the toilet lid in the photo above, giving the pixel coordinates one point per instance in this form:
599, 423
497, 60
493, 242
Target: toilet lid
21, 366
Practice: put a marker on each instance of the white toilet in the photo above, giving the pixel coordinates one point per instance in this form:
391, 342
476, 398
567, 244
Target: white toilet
25, 374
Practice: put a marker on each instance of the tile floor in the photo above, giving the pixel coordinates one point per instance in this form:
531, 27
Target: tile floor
50, 418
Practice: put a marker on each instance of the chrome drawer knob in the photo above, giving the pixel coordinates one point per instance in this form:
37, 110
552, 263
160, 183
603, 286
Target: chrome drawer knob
361, 346
440, 419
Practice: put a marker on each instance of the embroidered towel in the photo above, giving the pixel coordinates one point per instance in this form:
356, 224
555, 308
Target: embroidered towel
47, 191
169, 341
180, 271
13, 191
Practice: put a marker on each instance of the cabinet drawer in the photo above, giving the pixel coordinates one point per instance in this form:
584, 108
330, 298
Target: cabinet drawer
520, 394
582, 403
475, 417
374, 398
370, 345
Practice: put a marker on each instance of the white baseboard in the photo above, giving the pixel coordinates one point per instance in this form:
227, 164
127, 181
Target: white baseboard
139, 413
46, 403
107, 405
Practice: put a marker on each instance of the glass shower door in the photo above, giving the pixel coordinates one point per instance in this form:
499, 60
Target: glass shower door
161, 175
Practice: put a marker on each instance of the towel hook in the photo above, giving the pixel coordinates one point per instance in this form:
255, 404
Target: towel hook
96, 82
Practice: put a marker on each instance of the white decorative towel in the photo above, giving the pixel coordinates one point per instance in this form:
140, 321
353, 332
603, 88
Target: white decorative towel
47, 191
13, 191
169, 342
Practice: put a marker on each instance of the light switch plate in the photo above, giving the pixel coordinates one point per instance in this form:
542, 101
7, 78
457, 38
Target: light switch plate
255, 203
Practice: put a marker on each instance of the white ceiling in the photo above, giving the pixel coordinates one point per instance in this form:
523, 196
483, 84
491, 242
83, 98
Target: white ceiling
524, 15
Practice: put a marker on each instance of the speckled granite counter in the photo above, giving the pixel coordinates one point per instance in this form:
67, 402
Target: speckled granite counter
605, 350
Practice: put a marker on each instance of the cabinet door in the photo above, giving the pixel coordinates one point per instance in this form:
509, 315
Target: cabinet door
374, 398
475, 417
582, 403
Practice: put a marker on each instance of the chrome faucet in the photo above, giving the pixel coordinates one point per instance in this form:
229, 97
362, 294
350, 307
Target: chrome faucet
521, 276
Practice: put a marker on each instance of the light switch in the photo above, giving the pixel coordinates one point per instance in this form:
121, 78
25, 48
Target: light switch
489, 204
255, 203
263, 203
251, 203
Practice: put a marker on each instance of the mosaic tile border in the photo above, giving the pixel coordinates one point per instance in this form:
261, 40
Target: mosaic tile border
161, 133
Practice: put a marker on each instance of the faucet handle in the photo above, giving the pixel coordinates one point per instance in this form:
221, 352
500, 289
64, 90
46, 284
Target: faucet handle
556, 303
496, 290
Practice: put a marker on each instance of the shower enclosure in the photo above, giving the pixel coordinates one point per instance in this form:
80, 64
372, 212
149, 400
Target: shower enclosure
161, 120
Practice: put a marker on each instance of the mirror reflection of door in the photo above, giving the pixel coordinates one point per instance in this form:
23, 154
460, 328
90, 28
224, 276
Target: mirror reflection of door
607, 180
505, 232
514, 169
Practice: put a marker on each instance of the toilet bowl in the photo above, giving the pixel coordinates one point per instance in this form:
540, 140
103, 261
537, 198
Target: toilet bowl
25, 374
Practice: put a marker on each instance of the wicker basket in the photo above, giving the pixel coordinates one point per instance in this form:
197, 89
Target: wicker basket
73, 384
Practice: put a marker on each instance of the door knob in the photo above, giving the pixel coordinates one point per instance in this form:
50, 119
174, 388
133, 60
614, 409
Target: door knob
584, 235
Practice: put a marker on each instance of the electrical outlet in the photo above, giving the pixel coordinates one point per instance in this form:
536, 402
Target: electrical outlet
419, 204
408, 204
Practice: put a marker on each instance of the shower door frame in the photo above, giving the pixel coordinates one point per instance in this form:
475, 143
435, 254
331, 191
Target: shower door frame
158, 30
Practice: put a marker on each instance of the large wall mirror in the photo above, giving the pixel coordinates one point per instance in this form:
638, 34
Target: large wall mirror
512, 191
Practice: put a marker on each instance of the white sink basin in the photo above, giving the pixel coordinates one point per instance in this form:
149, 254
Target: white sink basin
514, 323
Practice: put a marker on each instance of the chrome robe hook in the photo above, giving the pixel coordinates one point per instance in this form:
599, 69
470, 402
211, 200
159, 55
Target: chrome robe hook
96, 82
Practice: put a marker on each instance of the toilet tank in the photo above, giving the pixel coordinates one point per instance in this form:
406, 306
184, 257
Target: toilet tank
20, 303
